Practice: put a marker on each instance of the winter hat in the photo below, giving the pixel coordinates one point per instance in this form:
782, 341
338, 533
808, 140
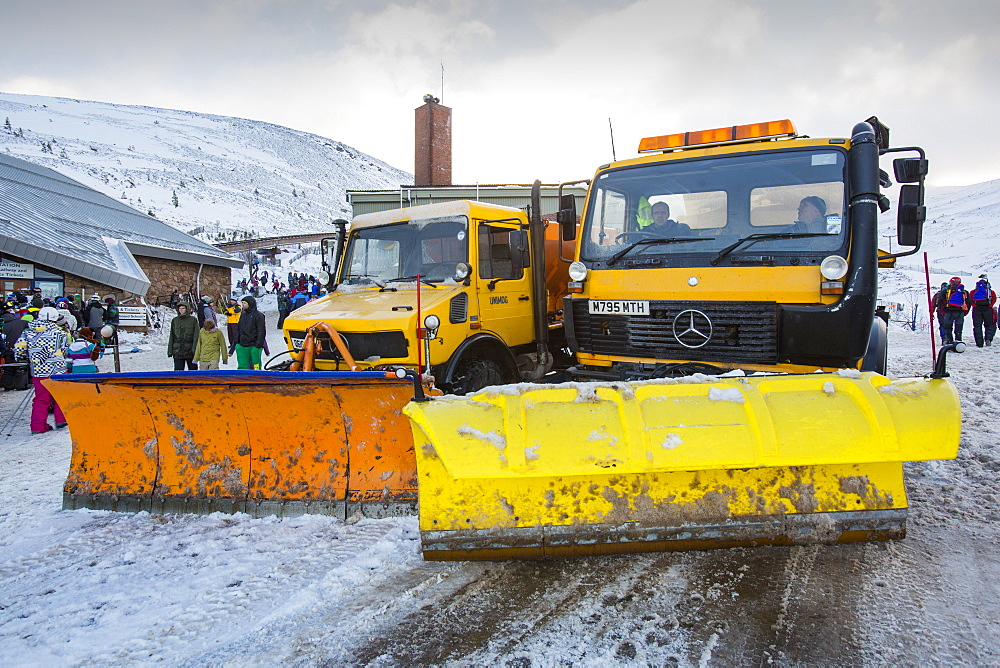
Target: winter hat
109, 300
37, 302
48, 313
817, 202
955, 279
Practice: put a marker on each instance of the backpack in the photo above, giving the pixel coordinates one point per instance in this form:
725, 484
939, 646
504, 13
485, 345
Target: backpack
956, 297
981, 295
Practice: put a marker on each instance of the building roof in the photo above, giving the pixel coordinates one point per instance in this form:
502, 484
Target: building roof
517, 195
50, 219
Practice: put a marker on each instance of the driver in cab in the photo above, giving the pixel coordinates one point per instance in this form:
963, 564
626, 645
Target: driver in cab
663, 226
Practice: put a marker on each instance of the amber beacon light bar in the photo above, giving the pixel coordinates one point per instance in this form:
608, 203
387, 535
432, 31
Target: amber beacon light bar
729, 135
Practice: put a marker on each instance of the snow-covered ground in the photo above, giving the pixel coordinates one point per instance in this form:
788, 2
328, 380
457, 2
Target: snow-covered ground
102, 588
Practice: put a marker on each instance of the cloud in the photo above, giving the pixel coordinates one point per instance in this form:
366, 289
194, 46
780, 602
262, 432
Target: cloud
533, 84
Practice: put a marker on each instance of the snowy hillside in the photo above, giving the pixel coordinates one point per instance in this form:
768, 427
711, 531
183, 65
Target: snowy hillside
961, 238
205, 174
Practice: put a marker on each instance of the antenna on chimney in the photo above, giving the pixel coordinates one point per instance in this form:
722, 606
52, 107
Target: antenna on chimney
442, 81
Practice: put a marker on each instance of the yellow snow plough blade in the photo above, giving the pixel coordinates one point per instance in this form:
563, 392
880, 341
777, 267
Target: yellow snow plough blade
581, 469
260, 442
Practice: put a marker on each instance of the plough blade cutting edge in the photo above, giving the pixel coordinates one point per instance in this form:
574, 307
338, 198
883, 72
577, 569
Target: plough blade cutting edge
259, 442
697, 463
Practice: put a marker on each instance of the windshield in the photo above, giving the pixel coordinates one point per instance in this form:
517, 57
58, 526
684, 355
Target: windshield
790, 202
431, 248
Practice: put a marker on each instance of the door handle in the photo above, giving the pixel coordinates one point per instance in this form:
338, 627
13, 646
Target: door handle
523, 298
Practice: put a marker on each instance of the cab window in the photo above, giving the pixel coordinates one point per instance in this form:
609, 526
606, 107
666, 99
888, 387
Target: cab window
495, 253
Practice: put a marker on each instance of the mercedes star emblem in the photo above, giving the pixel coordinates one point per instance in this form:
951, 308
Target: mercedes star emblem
692, 328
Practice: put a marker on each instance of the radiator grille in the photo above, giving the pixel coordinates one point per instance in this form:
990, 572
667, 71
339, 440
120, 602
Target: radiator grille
458, 309
741, 332
361, 345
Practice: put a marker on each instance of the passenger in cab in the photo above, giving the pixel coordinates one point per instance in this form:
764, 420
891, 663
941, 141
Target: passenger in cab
812, 215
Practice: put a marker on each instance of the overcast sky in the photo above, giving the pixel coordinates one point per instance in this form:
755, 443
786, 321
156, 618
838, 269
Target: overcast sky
533, 82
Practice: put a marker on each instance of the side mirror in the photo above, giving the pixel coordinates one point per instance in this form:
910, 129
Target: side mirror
910, 215
519, 255
331, 249
909, 170
567, 217
519, 240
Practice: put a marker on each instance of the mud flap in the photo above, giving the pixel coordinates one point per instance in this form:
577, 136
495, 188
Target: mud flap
259, 442
537, 471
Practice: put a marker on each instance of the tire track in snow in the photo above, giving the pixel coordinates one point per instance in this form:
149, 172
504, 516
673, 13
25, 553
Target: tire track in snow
489, 610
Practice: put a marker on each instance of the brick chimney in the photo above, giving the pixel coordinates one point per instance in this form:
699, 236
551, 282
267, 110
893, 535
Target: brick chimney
432, 154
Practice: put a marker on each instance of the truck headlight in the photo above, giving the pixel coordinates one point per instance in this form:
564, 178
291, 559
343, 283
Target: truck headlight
462, 271
577, 271
432, 322
833, 268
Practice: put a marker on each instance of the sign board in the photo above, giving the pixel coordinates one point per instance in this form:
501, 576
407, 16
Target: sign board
131, 316
16, 270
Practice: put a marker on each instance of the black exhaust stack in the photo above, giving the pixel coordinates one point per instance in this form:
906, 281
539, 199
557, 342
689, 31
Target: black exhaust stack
536, 233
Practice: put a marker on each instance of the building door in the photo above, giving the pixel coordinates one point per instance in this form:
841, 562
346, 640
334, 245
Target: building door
10, 285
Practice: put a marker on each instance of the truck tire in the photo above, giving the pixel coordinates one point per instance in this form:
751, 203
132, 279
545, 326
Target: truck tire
474, 375
877, 356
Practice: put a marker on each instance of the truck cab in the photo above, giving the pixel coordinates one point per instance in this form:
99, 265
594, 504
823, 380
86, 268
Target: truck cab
748, 247
446, 287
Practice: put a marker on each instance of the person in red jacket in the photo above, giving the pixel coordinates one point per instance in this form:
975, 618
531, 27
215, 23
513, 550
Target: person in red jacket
951, 305
982, 299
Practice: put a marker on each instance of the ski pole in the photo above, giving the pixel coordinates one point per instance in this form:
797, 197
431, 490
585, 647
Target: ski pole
18, 412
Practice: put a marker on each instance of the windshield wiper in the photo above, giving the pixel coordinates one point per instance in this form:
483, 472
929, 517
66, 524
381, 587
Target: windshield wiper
645, 242
370, 277
754, 238
411, 278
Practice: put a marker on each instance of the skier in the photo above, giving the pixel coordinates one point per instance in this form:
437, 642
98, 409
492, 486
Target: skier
952, 303
983, 299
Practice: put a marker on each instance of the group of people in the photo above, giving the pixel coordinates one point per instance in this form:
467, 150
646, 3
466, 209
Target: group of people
53, 337
196, 341
953, 302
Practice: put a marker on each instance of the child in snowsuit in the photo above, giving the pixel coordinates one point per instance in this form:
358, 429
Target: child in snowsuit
80, 353
211, 345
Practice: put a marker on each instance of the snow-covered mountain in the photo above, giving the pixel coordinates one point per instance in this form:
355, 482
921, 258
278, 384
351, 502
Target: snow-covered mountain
961, 238
209, 175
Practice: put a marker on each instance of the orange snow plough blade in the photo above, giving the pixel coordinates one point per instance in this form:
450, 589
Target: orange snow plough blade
595, 468
259, 442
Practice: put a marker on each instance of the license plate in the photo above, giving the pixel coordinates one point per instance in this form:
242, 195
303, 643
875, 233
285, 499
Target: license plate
297, 342
609, 307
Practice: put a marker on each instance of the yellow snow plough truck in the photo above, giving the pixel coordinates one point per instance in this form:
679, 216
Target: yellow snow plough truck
727, 384
730, 367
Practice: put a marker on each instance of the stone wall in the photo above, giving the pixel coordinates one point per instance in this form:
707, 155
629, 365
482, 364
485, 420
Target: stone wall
165, 276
